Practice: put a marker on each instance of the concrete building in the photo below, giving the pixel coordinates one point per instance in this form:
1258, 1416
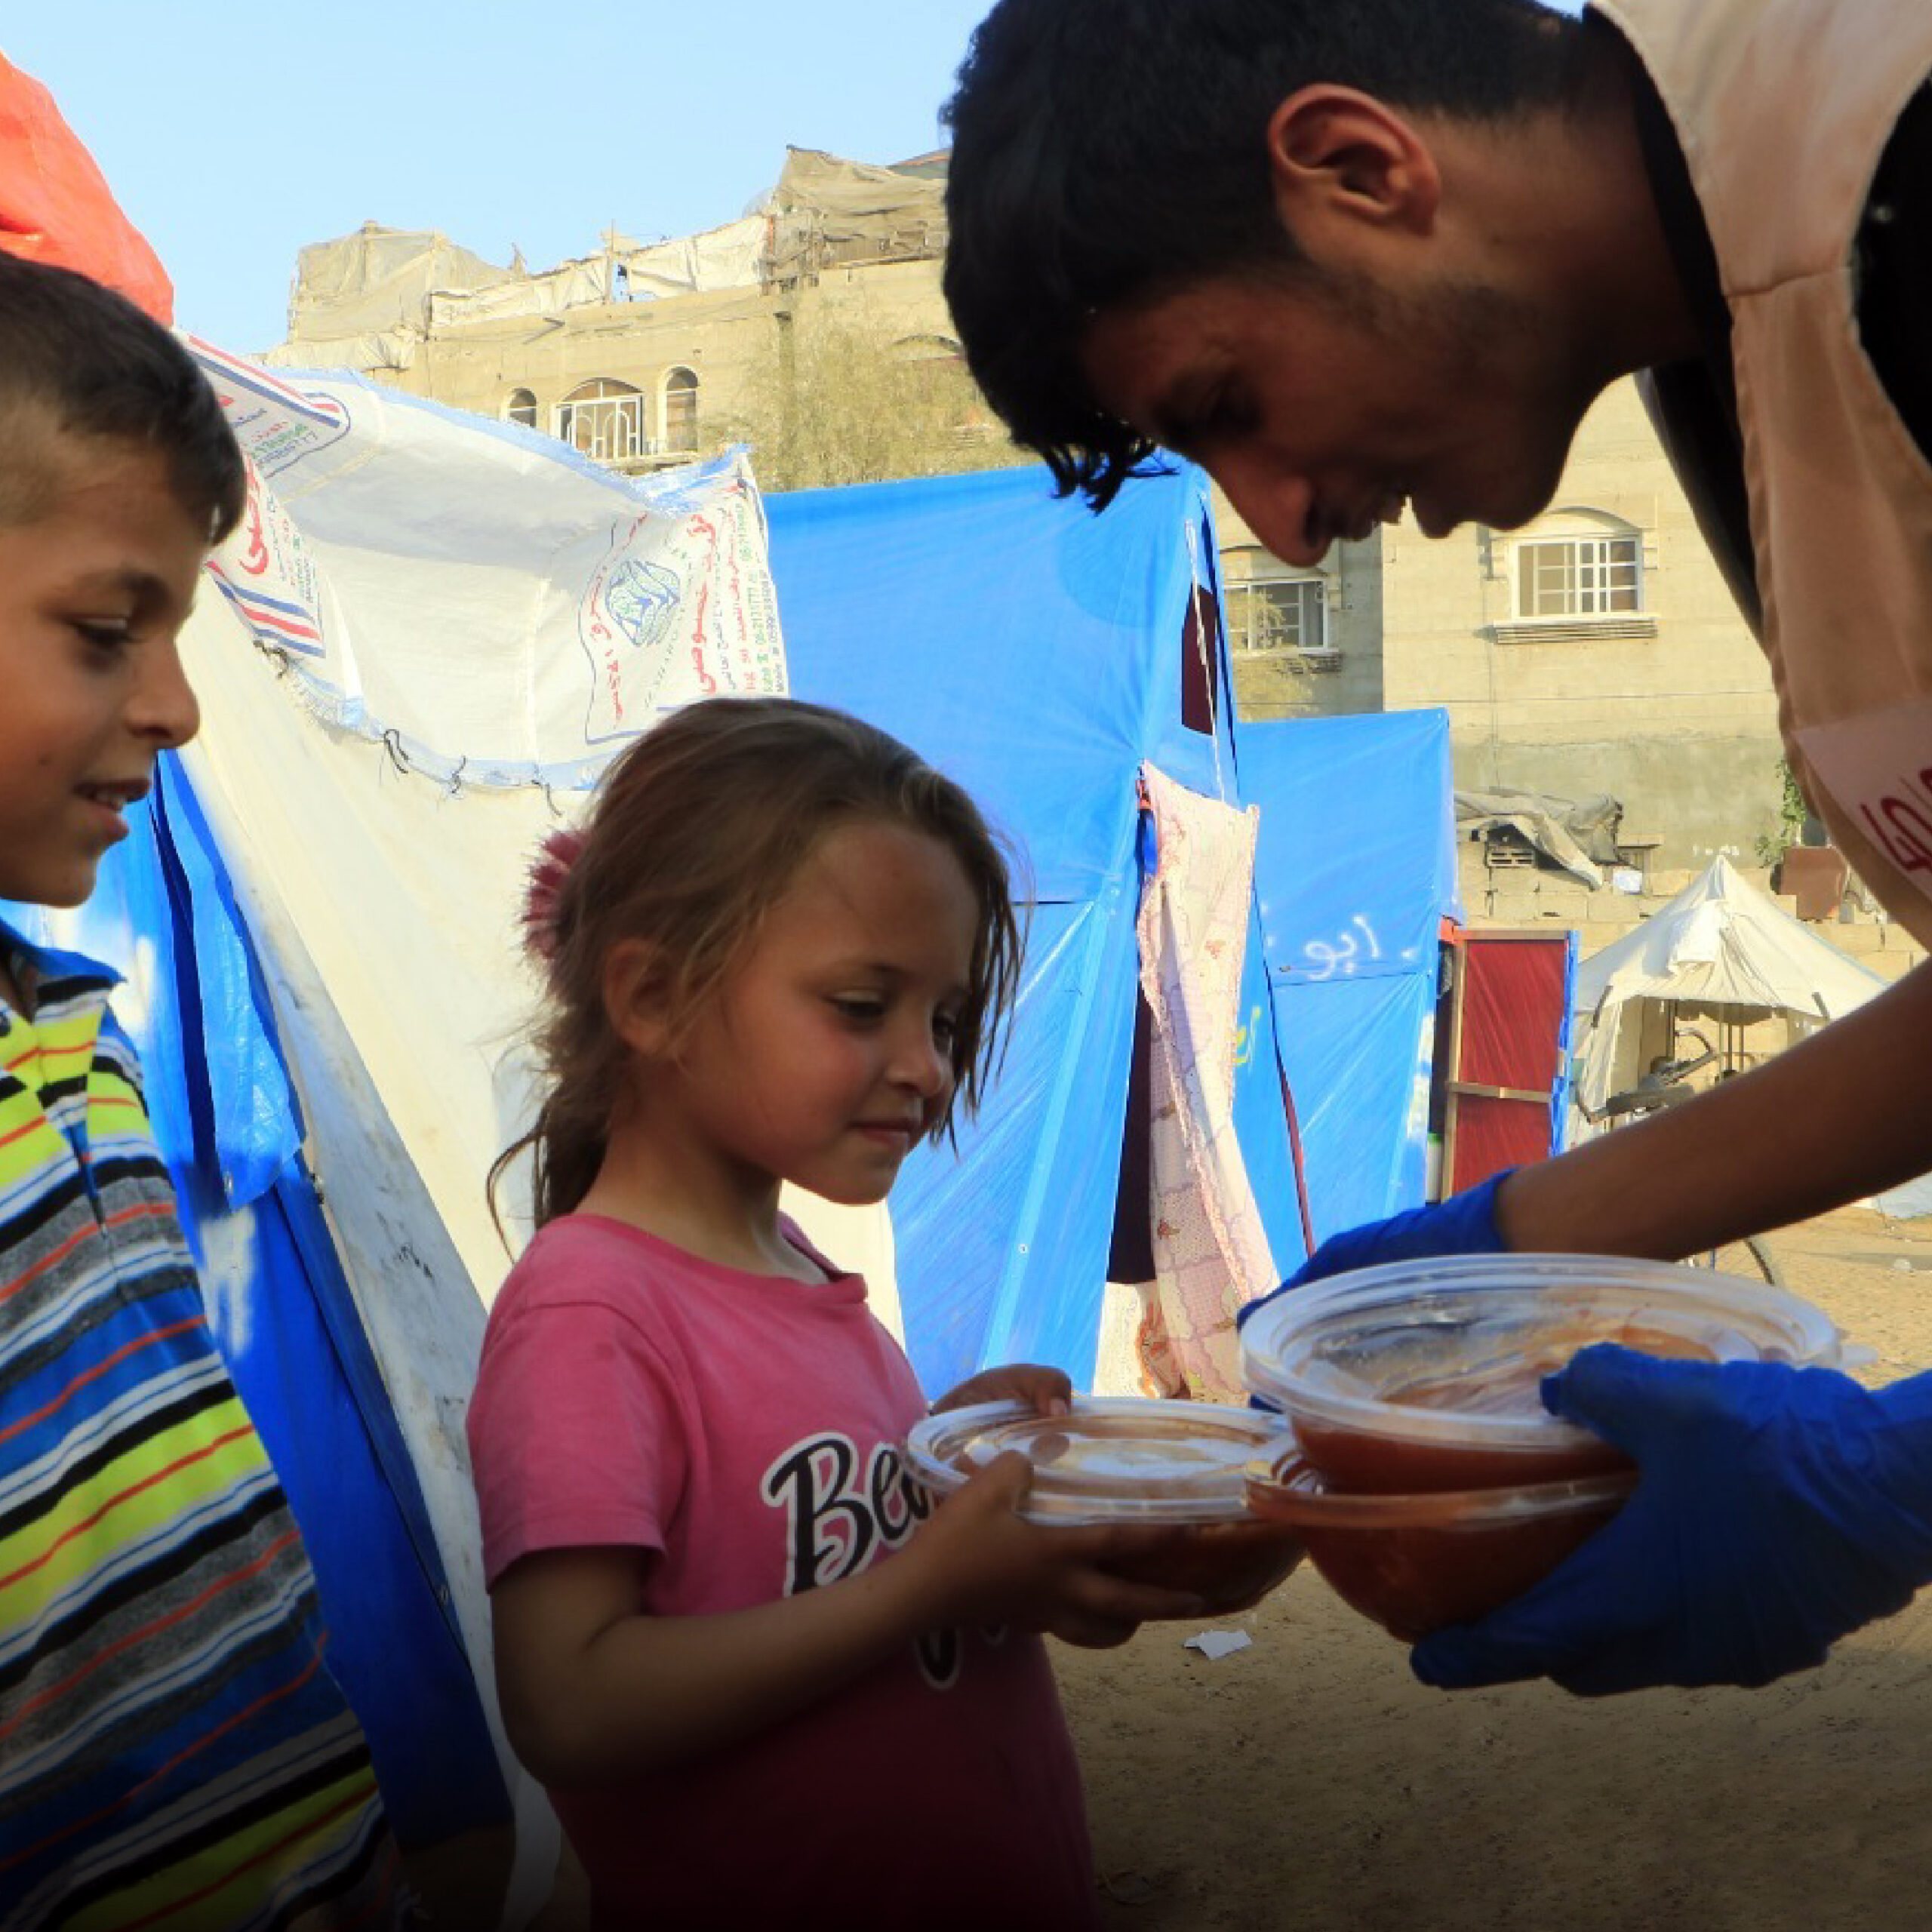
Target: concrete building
642, 354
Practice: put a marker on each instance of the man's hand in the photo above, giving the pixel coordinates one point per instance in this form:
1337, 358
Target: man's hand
1777, 1508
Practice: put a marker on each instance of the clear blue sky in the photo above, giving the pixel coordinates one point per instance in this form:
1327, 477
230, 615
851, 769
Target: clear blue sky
233, 135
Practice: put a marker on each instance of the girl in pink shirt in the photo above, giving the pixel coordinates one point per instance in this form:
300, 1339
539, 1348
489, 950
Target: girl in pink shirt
764, 1682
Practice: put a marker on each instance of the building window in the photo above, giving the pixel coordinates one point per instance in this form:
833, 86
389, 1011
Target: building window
522, 407
1578, 576
604, 419
1596, 574
681, 410
1268, 608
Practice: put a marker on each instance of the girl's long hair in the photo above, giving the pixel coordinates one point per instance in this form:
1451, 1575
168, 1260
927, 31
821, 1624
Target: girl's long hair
697, 830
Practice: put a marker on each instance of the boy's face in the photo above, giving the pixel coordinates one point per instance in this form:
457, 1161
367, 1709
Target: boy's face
92, 594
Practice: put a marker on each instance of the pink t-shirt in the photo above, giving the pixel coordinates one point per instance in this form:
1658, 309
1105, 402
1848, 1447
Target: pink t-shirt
744, 1429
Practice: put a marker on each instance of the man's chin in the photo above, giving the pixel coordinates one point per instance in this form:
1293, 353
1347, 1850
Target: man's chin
1502, 512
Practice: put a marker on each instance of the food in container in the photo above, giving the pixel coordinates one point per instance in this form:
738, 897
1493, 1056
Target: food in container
1128, 1459
1425, 1375
1413, 1563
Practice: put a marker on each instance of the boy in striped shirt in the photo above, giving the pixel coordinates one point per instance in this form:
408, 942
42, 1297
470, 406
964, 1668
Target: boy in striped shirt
174, 1753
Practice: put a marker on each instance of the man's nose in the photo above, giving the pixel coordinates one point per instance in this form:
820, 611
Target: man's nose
1281, 509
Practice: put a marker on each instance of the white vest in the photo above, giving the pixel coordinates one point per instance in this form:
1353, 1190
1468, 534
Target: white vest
1782, 109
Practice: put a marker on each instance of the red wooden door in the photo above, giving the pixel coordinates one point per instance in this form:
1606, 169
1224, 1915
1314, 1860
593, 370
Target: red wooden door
1509, 1035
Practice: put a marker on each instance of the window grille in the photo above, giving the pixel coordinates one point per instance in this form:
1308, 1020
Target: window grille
604, 420
681, 411
1578, 576
1279, 613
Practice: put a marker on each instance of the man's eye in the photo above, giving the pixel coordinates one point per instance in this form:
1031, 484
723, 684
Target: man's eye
1228, 412
103, 635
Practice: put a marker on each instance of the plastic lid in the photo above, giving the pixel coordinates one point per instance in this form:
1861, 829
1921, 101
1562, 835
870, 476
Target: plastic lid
1287, 1490
1451, 1351
1111, 1458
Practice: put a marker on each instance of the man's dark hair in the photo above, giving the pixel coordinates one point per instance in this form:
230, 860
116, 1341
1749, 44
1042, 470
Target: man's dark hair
1108, 152
77, 359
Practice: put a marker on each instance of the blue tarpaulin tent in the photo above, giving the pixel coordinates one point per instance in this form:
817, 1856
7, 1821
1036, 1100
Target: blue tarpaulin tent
1355, 873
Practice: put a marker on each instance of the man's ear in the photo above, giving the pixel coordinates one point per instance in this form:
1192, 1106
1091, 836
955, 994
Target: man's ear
634, 996
1338, 157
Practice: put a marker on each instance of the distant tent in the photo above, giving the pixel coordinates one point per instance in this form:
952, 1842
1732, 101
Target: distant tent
1721, 948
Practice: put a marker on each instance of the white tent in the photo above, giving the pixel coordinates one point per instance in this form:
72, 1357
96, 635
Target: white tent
1720, 947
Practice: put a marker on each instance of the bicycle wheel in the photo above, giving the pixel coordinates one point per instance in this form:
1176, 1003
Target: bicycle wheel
1752, 1257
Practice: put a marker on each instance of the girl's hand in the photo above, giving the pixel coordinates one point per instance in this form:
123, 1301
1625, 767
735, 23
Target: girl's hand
981, 1562
1232, 1565
1045, 1390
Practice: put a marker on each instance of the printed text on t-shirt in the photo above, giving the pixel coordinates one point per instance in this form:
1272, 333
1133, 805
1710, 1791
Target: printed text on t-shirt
840, 1509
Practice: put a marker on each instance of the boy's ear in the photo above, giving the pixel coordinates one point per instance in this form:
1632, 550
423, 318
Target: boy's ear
634, 996
1338, 159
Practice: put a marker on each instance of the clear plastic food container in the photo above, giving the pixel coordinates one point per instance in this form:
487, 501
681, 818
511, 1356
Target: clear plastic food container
1112, 1460
1414, 1564
1426, 1375
1126, 1460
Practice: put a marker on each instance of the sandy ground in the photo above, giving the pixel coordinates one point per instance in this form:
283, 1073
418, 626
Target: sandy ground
1308, 1781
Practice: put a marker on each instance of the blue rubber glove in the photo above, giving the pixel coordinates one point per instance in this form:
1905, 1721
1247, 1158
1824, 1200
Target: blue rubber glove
1464, 1224
1777, 1509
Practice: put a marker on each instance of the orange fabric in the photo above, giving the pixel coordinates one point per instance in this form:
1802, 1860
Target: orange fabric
56, 206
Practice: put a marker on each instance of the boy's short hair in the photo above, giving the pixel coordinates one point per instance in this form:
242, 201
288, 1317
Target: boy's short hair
1110, 153
76, 359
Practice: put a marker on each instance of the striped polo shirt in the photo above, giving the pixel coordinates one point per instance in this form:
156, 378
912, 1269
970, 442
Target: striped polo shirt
174, 1753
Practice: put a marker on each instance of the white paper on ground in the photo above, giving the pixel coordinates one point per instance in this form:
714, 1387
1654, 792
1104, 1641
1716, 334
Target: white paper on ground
1216, 1643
